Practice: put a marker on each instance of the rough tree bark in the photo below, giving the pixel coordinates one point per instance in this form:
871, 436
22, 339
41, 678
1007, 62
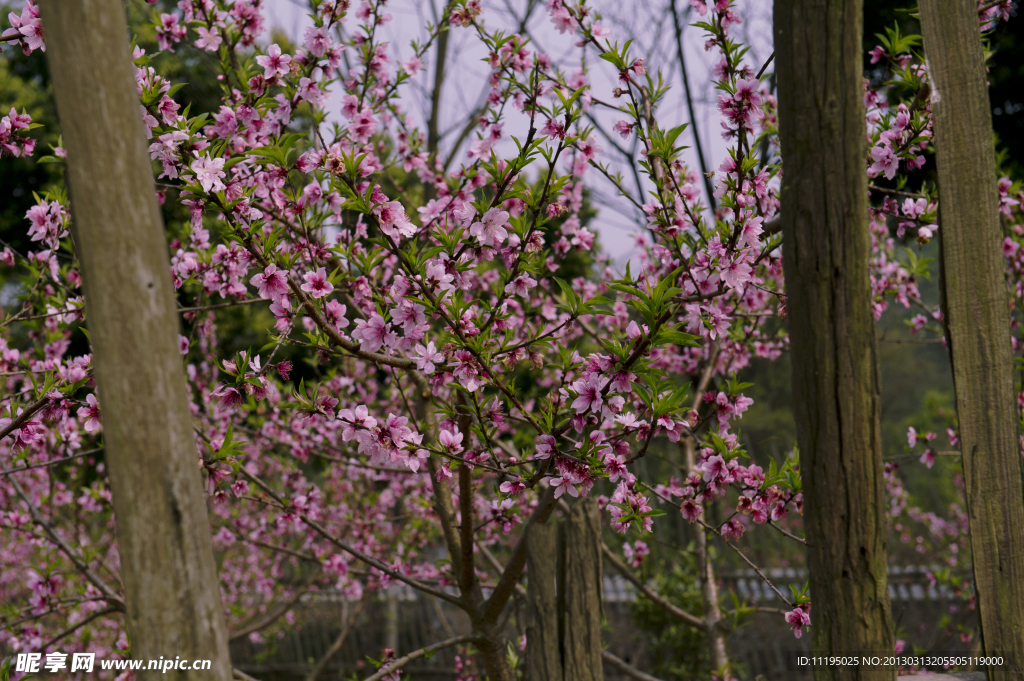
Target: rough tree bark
580, 593
167, 566
978, 317
543, 653
832, 331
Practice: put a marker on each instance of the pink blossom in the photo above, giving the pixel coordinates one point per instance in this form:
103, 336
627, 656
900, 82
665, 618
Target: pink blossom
545, 446
209, 172
564, 485
427, 357
564, 21
91, 414
490, 230
885, 161
274, 63
451, 440
373, 334
316, 40
317, 284
521, 285
512, 488
623, 128
209, 39
413, 66
588, 390
272, 284
798, 618
393, 220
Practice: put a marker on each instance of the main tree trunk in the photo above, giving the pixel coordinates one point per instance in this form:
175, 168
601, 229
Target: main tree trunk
167, 567
978, 316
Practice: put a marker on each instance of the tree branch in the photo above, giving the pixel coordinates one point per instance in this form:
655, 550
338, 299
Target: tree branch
514, 568
653, 596
626, 668
384, 671
689, 106
369, 560
273, 615
52, 462
27, 413
75, 627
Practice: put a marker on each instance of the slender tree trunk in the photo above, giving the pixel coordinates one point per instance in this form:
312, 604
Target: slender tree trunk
543, 645
832, 330
167, 566
978, 317
708, 582
492, 652
391, 620
580, 597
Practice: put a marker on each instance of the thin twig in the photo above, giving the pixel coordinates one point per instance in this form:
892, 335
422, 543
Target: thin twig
769, 61
75, 627
788, 534
342, 637
369, 560
276, 613
232, 303
50, 463
384, 671
758, 571
670, 608
24, 416
108, 593
626, 668
886, 190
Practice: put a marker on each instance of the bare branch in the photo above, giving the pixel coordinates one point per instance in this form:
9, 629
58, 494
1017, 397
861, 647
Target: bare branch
52, 462
384, 671
670, 608
76, 627
689, 105
340, 641
626, 668
510, 577
109, 594
499, 567
273, 615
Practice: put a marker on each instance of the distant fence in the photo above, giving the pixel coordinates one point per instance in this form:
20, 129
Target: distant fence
406, 620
